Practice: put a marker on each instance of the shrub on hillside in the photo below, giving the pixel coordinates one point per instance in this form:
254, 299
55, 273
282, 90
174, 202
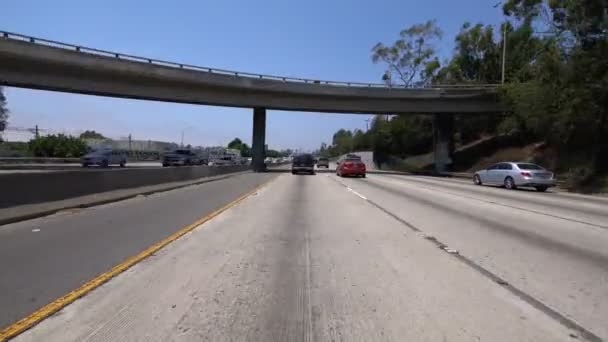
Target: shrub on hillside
59, 146
580, 179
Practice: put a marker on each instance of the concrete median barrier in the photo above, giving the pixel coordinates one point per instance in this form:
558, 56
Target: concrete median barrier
28, 188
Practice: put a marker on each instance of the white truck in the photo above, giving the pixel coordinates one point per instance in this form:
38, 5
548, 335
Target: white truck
225, 156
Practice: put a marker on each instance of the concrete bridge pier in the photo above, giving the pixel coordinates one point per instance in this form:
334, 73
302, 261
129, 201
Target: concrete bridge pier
443, 141
258, 145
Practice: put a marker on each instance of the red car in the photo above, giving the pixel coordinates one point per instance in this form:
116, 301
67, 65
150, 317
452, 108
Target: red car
350, 166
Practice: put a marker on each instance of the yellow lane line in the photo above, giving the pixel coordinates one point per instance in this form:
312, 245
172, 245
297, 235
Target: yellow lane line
42, 313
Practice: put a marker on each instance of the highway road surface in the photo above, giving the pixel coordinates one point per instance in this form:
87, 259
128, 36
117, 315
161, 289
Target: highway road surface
321, 258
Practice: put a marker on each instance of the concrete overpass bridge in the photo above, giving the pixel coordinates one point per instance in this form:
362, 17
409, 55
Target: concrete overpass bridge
36, 63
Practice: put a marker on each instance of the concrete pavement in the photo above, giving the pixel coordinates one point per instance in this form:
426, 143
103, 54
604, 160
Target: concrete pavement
321, 258
552, 246
44, 258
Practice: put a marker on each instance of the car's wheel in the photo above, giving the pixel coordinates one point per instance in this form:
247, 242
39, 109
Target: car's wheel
510, 184
123, 163
541, 188
165, 164
105, 163
363, 175
477, 180
293, 172
85, 164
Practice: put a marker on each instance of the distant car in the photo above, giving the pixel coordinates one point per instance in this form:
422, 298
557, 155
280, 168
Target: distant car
181, 157
514, 174
104, 158
351, 165
303, 163
223, 161
323, 162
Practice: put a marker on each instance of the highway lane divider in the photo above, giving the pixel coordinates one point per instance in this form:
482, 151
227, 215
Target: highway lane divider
49, 309
30, 188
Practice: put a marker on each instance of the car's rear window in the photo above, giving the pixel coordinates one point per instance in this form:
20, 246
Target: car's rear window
529, 167
305, 158
323, 159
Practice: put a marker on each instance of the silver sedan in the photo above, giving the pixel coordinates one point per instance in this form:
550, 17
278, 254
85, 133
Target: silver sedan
514, 174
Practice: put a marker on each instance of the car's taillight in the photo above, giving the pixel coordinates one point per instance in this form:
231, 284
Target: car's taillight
526, 174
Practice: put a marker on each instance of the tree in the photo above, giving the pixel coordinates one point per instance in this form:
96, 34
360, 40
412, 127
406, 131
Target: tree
60, 146
565, 99
238, 144
410, 60
3, 111
92, 135
360, 141
342, 141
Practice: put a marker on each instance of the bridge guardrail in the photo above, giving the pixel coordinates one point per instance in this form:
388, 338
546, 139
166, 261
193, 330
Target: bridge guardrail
83, 49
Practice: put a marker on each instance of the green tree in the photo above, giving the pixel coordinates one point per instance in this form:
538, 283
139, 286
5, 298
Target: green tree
476, 57
410, 61
565, 99
3, 112
381, 139
238, 144
60, 146
91, 135
342, 141
361, 141
273, 153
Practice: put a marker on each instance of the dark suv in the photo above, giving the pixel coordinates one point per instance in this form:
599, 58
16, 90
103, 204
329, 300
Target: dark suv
303, 163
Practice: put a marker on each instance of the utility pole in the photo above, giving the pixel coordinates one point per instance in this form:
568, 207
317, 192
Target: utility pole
182, 141
36, 132
367, 124
504, 51
130, 146
504, 46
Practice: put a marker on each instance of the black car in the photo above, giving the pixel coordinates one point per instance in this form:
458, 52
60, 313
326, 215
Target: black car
303, 163
181, 157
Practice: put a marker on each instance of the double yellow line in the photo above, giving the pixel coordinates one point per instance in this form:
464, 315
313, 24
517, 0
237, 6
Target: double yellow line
37, 316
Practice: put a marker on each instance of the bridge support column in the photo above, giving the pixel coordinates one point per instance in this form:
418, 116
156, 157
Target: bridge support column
443, 140
258, 146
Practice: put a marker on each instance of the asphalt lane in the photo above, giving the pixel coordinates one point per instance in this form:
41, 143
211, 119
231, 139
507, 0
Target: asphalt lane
552, 246
305, 259
45, 258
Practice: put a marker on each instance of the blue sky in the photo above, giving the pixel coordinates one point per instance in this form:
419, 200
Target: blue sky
324, 39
